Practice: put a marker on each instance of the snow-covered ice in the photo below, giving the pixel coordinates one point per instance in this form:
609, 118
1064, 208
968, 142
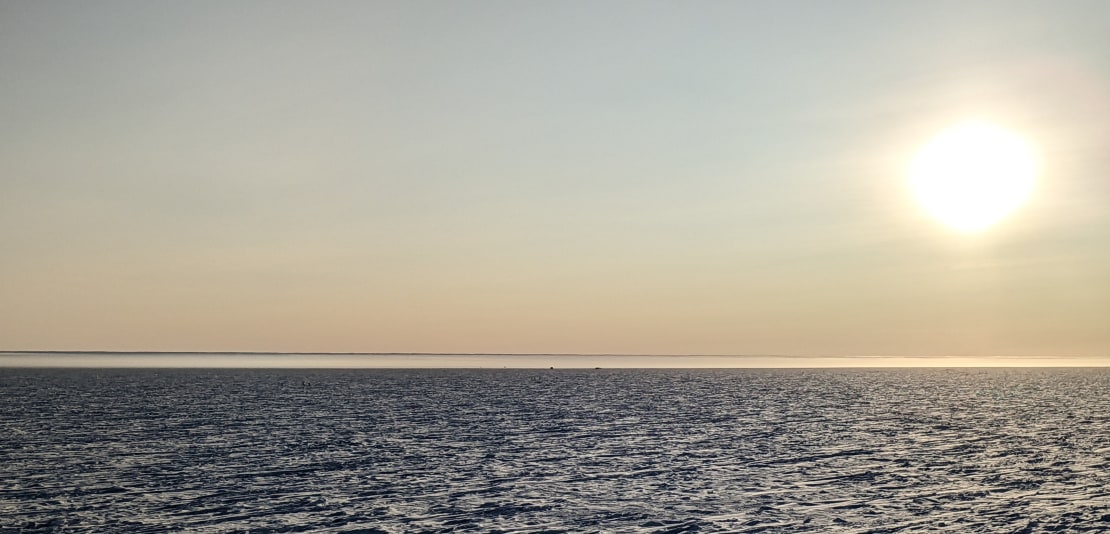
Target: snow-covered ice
833, 450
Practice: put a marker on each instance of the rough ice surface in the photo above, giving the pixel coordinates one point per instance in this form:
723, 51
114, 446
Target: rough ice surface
897, 450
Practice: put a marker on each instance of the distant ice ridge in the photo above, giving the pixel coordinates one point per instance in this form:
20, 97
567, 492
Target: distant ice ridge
907, 450
209, 360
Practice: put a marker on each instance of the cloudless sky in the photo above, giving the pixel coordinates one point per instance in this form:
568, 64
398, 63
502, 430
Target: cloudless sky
580, 177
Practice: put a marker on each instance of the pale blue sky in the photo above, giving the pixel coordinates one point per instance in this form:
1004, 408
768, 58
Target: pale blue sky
625, 177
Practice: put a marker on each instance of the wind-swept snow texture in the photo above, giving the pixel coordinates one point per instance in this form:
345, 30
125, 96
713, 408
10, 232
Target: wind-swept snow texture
910, 450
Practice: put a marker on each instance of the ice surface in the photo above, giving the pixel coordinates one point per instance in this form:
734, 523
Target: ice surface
982, 450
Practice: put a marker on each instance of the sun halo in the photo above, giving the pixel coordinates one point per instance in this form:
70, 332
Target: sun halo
972, 175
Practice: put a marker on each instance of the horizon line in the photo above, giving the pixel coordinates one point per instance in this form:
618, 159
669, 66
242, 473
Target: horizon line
605, 354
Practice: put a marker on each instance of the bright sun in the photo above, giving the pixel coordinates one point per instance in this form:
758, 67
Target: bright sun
973, 174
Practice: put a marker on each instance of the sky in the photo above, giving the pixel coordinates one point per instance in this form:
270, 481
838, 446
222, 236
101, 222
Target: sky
544, 177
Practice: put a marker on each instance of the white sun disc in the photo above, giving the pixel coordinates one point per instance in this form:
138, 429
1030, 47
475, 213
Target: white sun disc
972, 175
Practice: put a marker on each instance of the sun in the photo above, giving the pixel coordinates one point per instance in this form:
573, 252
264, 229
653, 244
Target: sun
972, 175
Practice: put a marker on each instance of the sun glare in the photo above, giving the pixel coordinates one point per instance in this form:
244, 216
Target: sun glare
972, 175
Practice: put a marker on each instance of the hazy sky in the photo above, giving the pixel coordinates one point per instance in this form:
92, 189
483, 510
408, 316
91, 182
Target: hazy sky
600, 177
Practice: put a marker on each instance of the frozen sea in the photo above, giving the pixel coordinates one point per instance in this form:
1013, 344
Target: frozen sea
538, 450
